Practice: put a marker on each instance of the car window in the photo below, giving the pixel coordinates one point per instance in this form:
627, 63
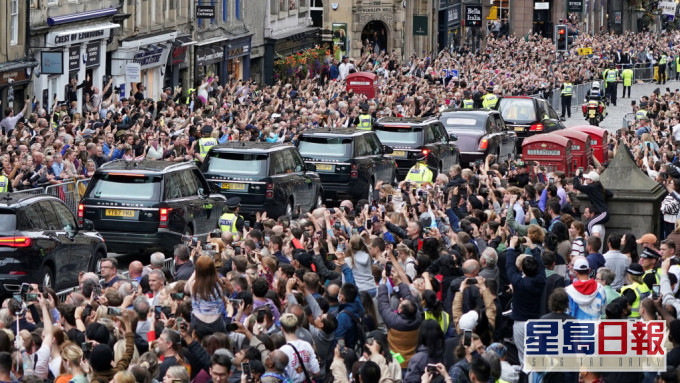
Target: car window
67, 222
553, 114
500, 123
199, 181
299, 162
361, 147
399, 135
126, 186
491, 125
315, 147
437, 132
51, 220
173, 186
188, 183
238, 164
277, 163
429, 134
294, 163
373, 144
8, 221
517, 109
31, 218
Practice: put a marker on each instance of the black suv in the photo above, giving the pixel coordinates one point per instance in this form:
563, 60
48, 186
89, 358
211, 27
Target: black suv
40, 242
148, 205
528, 116
412, 137
266, 176
348, 161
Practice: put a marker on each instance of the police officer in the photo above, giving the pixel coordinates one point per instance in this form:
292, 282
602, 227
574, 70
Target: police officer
677, 66
663, 60
636, 291
642, 112
627, 76
468, 102
230, 221
649, 259
365, 119
490, 99
565, 94
420, 173
204, 143
5, 184
611, 75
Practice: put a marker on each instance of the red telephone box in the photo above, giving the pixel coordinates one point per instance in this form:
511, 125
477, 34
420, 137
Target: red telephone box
550, 150
363, 82
582, 153
599, 141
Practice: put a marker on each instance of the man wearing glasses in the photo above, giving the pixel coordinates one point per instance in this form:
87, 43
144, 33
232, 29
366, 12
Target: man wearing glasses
109, 270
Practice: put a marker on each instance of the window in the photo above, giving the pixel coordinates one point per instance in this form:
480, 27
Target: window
361, 147
273, 7
52, 2
225, 14
66, 220
172, 187
153, 11
8, 221
189, 186
114, 186
315, 147
238, 164
14, 22
237, 11
51, 219
212, 4
30, 218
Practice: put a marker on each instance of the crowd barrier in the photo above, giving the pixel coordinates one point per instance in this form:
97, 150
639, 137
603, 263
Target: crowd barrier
577, 96
70, 192
628, 120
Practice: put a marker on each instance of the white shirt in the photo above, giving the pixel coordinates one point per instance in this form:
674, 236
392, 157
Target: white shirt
676, 132
599, 231
308, 356
343, 71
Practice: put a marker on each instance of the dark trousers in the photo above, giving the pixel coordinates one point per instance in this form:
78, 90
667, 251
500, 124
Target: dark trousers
566, 105
624, 91
662, 73
611, 88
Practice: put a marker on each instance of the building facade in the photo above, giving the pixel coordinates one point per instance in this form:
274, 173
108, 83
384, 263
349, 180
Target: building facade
16, 66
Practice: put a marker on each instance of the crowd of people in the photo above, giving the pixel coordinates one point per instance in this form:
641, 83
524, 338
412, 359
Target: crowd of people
437, 288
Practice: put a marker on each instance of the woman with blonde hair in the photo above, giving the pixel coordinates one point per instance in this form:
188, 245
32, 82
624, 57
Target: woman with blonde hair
72, 360
359, 260
206, 293
119, 352
125, 377
173, 374
407, 261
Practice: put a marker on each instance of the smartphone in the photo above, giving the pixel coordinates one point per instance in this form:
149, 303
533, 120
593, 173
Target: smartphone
471, 281
87, 311
236, 302
231, 327
432, 368
246, 224
245, 367
341, 344
177, 296
369, 224
115, 311
260, 316
413, 192
180, 322
467, 338
157, 312
86, 346
389, 198
382, 215
299, 211
388, 268
135, 285
502, 221
580, 170
656, 291
552, 180
31, 297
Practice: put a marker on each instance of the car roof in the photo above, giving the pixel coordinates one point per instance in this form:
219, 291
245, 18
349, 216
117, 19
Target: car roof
143, 166
475, 112
16, 199
255, 147
335, 132
406, 120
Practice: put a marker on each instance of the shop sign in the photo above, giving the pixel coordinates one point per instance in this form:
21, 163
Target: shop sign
473, 16
59, 38
575, 6
454, 15
13, 75
339, 40
239, 51
74, 58
152, 56
178, 55
205, 12
92, 52
375, 10
419, 25
133, 72
205, 56
542, 6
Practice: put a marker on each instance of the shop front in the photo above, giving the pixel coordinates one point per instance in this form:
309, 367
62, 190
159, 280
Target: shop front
449, 24
151, 53
178, 63
237, 55
208, 61
77, 53
15, 78
287, 45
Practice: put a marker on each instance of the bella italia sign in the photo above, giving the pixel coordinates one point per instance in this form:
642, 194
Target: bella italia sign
473, 16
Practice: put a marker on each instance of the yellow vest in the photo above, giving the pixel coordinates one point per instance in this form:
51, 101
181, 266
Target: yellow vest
468, 104
663, 60
419, 173
204, 145
677, 63
443, 320
656, 272
640, 113
567, 89
641, 291
228, 223
3, 184
627, 75
610, 75
364, 122
189, 92
489, 100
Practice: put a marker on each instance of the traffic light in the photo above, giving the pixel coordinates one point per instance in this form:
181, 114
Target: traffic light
561, 41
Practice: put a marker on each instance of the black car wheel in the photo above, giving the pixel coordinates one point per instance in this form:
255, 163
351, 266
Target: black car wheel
47, 278
95, 263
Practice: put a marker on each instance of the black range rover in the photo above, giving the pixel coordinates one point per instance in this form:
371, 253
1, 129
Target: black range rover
40, 242
349, 161
411, 137
266, 176
148, 205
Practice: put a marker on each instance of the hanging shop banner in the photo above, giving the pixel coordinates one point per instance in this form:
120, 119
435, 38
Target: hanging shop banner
419, 25
339, 40
473, 15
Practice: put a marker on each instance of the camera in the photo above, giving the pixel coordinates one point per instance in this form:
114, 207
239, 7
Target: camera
521, 240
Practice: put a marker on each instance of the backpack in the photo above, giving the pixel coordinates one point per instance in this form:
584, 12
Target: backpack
360, 325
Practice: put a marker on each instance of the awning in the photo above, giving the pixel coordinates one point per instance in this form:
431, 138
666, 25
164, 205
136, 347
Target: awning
56, 20
183, 41
212, 41
148, 39
66, 37
87, 30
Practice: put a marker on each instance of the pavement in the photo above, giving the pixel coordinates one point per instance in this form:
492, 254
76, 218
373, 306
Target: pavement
614, 119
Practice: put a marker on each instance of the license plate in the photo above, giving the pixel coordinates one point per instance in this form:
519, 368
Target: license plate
591, 113
519, 129
399, 153
233, 186
325, 167
120, 213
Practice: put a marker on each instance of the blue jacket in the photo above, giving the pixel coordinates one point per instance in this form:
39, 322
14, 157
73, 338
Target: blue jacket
347, 329
525, 306
334, 72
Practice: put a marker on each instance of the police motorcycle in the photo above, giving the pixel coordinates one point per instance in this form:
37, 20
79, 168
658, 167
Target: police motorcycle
594, 109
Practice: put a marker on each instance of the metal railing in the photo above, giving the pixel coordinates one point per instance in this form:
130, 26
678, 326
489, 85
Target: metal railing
628, 120
577, 96
70, 192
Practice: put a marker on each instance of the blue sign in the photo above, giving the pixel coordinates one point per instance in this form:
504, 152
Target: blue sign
122, 90
52, 62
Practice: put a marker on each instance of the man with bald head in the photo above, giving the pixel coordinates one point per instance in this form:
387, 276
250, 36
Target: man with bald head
136, 270
472, 298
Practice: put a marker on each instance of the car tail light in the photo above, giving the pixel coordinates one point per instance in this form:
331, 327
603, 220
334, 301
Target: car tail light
426, 152
81, 209
483, 144
600, 109
164, 218
269, 194
15, 241
354, 173
584, 107
536, 128
18, 273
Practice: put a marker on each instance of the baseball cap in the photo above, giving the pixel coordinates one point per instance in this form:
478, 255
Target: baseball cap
581, 265
468, 321
649, 237
593, 176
